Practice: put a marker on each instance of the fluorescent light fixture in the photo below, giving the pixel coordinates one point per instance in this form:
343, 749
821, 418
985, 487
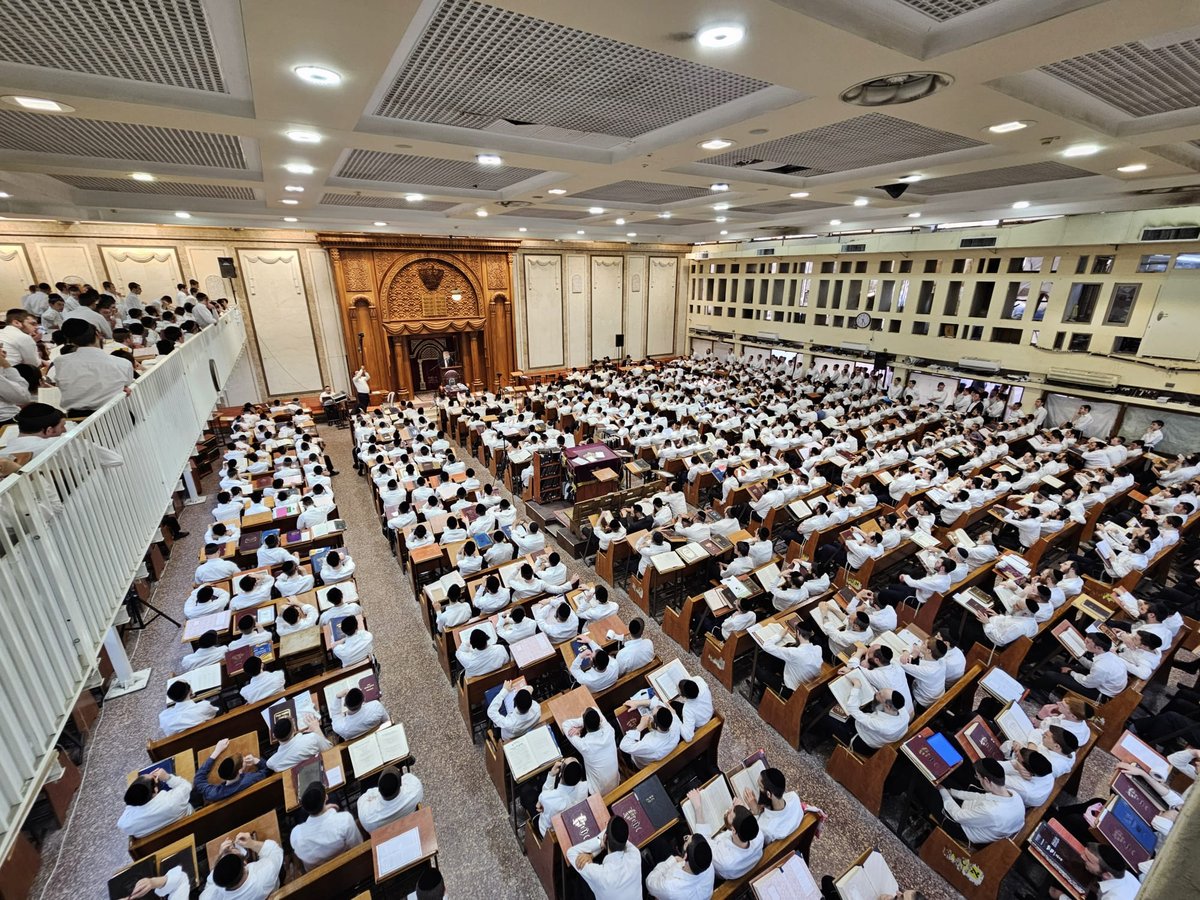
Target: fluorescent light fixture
596, 210
914, 215
1021, 204
300, 168
715, 144
1082, 150
556, 191
290, 219
289, 201
835, 221
861, 201
1006, 127
482, 213
1133, 167
522, 228
488, 159
631, 234
456, 296
141, 176
379, 224
664, 215
4, 195
414, 198
724, 232
317, 75
720, 206
798, 195
718, 186
620, 221
910, 179
40, 104
294, 188
580, 231
183, 215
720, 35
722, 218
300, 136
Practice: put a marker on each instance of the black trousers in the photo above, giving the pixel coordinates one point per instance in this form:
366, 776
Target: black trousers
364, 400
1168, 726
1054, 681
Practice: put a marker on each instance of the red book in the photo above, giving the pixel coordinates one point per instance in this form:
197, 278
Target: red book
580, 822
1144, 802
369, 685
630, 809
931, 762
628, 720
979, 741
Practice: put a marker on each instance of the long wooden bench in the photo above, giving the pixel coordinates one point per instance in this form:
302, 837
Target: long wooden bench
1012, 656
337, 877
787, 716
774, 855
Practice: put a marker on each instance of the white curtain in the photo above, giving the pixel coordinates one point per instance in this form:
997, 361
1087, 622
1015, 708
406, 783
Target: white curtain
1062, 408
1181, 433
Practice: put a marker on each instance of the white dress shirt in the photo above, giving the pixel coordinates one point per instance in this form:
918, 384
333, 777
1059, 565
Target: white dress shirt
165, 807
634, 654
262, 685
599, 752
653, 745
618, 876
505, 717
349, 725
1106, 673
777, 824
480, 662
986, 817
262, 877
669, 881
355, 648
184, 715
321, 837
374, 812
193, 608
90, 377
300, 746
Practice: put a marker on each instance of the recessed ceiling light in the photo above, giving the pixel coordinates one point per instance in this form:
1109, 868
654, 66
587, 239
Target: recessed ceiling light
720, 206
414, 198
300, 168
861, 201
40, 104
1133, 167
910, 179
720, 35
721, 219
798, 195
915, 215
1021, 204
715, 144
522, 228
631, 234
1082, 150
183, 215
596, 210
1006, 127
290, 219
4, 195
664, 215
304, 137
489, 159
581, 231
294, 188
289, 201
835, 221
379, 224
556, 191
482, 213
141, 176
317, 75
724, 232
620, 221
718, 186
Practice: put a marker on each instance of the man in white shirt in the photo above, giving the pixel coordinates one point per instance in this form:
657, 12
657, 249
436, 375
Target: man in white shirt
362, 387
618, 874
636, 651
326, 833
514, 718
149, 805
18, 340
654, 737
296, 746
89, 377
594, 738
686, 877
982, 817
779, 810
184, 712
1104, 675
214, 568
478, 656
358, 715
262, 683
356, 646
232, 878
563, 788
393, 797
14, 391
271, 554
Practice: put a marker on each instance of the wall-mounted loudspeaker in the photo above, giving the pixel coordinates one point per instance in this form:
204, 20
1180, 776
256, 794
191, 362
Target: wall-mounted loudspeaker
882, 361
228, 269
620, 341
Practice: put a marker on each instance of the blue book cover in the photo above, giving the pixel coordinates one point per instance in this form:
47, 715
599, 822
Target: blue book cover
1128, 817
941, 745
482, 541
273, 531
335, 626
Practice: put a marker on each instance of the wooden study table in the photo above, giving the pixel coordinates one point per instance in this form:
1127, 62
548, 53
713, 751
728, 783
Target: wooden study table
422, 821
263, 828
331, 766
242, 745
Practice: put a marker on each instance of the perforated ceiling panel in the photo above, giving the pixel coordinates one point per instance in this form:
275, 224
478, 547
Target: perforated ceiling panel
945, 10
383, 203
870, 140
779, 207
156, 41
118, 140
476, 64
167, 188
546, 212
996, 178
401, 168
643, 192
1137, 79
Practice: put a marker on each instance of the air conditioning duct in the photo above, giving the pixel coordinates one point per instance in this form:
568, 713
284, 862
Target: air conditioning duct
1083, 377
979, 365
856, 348
768, 335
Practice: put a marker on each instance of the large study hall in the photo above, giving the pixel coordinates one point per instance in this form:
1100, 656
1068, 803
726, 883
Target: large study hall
741, 450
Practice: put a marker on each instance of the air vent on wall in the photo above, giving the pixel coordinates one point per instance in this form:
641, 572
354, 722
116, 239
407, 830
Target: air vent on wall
703, 254
977, 242
1172, 233
1081, 376
765, 251
979, 365
853, 248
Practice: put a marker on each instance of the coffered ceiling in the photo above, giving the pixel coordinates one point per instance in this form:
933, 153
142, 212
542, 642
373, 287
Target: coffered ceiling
595, 112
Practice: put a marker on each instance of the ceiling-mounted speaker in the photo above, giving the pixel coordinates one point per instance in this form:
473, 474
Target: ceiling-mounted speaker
895, 191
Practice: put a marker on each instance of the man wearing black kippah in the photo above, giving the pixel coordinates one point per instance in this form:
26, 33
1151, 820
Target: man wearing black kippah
611, 866
982, 817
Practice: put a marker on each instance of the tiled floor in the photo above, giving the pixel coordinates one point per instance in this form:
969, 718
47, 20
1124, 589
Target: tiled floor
478, 852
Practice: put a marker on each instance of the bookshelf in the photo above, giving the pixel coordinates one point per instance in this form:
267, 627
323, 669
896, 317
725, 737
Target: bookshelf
547, 476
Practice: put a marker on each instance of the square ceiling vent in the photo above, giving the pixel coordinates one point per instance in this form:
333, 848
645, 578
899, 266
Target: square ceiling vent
643, 192
1139, 80
403, 168
1034, 173
163, 188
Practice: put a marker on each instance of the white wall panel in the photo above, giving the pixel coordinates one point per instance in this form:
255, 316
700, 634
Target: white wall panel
662, 285
282, 326
578, 296
156, 269
330, 322
15, 275
635, 306
202, 265
543, 284
607, 304
67, 262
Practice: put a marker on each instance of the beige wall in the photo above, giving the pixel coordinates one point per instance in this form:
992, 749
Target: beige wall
284, 278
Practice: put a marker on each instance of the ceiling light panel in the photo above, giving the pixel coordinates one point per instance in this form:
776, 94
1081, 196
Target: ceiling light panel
364, 201
136, 40
403, 168
643, 192
163, 188
1034, 173
870, 140
1136, 79
945, 10
538, 212
119, 140
512, 68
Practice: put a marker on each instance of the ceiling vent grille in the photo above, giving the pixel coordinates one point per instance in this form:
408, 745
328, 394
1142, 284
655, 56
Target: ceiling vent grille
365, 200
945, 10
871, 140
476, 64
643, 192
165, 188
549, 212
1034, 173
36, 133
854, 248
402, 168
1171, 233
1137, 79
765, 251
976, 242
164, 42
783, 207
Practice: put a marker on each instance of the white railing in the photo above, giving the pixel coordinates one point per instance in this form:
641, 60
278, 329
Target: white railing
73, 533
